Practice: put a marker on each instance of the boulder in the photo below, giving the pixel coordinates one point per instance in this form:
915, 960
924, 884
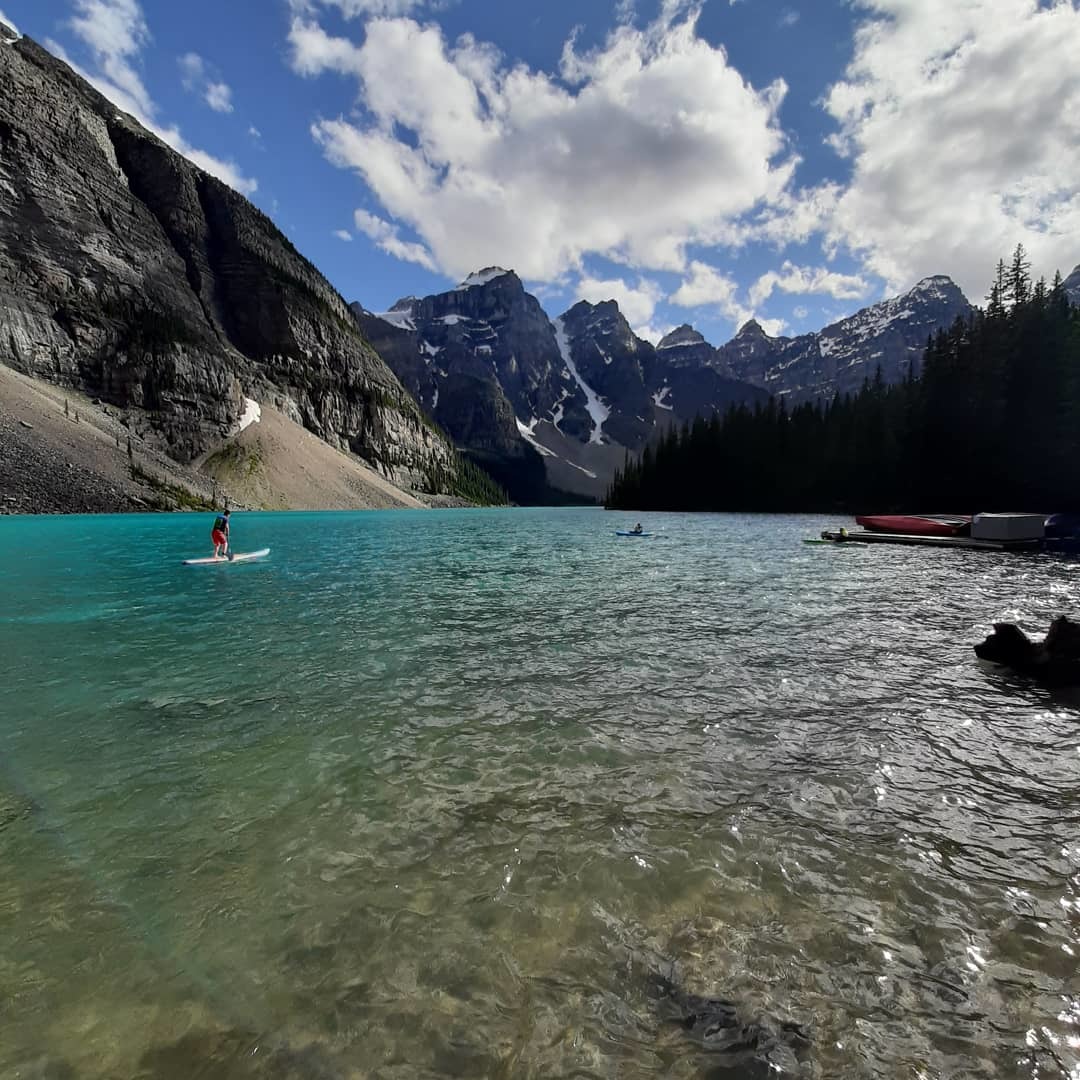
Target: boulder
1054, 660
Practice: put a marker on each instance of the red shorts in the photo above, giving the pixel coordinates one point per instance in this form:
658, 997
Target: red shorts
218, 537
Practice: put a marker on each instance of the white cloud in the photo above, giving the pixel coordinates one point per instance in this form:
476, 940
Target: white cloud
788, 18
962, 120
706, 287
386, 238
198, 79
116, 32
802, 280
315, 51
658, 143
358, 9
801, 312
9, 24
254, 132
637, 303
343, 234
219, 97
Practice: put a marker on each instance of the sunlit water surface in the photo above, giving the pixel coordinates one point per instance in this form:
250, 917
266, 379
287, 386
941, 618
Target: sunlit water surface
454, 793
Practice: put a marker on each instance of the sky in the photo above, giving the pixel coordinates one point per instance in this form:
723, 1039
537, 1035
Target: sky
700, 161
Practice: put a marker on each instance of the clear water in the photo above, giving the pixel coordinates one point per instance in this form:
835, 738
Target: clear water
450, 793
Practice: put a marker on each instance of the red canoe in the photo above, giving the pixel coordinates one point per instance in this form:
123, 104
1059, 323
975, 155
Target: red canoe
916, 526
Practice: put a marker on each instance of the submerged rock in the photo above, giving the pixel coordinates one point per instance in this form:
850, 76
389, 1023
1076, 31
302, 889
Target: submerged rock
754, 1045
1055, 660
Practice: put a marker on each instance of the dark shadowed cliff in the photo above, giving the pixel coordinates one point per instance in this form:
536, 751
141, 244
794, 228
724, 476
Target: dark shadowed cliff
129, 274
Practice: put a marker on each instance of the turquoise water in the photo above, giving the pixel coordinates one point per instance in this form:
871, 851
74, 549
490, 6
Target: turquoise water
465, 793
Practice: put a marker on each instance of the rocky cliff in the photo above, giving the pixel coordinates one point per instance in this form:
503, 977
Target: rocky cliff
128, 273
890, 335
1072, 286
540, 402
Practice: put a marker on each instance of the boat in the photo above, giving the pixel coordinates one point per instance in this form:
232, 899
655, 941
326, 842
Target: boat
917, 525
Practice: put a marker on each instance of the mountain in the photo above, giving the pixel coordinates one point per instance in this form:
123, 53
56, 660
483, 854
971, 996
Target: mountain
890, 335
129, 274
1072, 286
545, 406
477, 358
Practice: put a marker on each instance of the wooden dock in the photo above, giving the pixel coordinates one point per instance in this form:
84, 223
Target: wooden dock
862, 536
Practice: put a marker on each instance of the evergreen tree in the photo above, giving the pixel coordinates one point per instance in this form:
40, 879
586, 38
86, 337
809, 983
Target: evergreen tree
992, 420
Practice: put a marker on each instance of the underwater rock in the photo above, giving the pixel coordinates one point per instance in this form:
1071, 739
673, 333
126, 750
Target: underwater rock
719, 1027
1055, 660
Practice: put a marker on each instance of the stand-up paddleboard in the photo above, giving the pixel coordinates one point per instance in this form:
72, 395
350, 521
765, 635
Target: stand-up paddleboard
225, 560
626, 532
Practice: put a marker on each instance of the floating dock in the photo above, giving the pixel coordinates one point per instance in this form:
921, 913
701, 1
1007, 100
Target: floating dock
862, 536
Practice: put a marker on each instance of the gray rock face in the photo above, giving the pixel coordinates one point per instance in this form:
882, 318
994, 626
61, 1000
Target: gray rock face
476, 359
1072, 287
614, 363
508, 384
127, 272
891, 335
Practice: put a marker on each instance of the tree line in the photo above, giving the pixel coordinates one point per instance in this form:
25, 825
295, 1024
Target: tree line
991, 421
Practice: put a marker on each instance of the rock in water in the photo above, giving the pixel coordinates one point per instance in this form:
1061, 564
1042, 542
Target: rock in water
1055, 660
759, 1046
134, 276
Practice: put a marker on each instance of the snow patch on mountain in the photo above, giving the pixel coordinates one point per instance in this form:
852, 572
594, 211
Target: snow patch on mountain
597, 410
660, 398
579, 468
401, 319
527, 434
252, 415
482, 277
558, 411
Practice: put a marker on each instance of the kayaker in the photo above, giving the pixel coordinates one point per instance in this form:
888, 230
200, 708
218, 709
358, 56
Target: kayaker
637, 530
220, 535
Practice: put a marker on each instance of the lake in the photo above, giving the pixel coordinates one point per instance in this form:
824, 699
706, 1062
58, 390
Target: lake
496, 794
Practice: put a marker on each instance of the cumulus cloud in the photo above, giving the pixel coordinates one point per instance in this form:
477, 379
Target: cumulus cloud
802, 280
635, 149
706, 287
116, 32
343, 234
356, 9
386, 238
962, 122
9, 24
198, 80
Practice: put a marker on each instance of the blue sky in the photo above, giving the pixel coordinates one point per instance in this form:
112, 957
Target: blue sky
700, 162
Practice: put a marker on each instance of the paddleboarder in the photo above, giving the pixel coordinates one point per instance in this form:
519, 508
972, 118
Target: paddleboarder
220, 535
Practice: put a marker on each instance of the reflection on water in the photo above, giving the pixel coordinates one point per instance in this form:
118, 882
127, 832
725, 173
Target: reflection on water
493, 794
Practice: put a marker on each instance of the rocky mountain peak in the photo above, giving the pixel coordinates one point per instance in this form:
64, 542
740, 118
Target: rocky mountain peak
488, 275
682, 335
936, 287
1072, 286
751, 329
8, 34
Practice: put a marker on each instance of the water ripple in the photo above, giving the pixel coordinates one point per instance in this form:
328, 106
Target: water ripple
447, 794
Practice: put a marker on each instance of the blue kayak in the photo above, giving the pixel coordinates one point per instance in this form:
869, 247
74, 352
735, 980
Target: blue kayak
625, 532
